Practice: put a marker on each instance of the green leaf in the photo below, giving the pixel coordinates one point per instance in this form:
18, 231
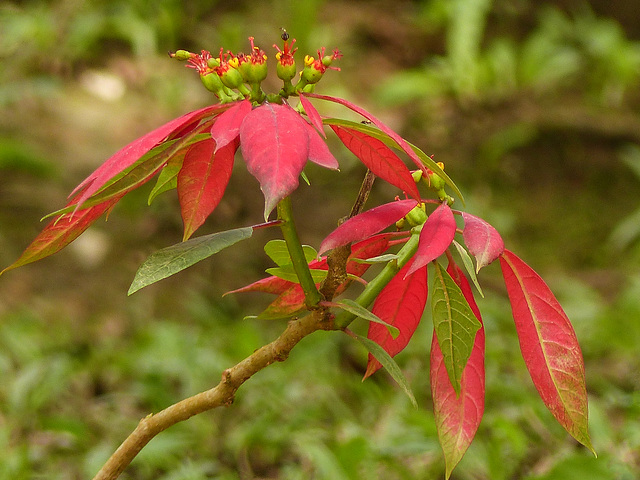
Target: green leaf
168, 178
176, 258
389, 364
278, 252
379, 259
455, 324
287, 272
468, 265
359, 311
380, 135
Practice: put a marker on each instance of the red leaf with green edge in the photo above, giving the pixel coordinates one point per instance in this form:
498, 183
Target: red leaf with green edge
270, 284
227, 126
369, 248
61, 232
458, 416
366, 224
436, 236
275, 146
313, 114
275, 284
131, 178
319, 152
483, 241
129, 154
202, 181
400, 303
387, 140
549, 346
378, 158
402, 143
289, 303
455, 324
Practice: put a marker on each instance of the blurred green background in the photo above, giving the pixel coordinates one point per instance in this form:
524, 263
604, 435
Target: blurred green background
532, 106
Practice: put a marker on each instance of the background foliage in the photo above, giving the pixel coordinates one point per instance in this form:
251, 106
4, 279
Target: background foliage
533, 107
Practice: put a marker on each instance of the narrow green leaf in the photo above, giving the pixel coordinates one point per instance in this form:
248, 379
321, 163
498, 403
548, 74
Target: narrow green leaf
176, 258
287, 272
278, 252
359, 311
168, 178
380, 135
379, 259
455, 324
389, 364
468, 265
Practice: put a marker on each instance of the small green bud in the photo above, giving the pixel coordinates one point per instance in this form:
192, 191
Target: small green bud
311, 73
286, 64
286, 71
181, 55
417, 216
253, 73
231, 77
436, 182
212, 82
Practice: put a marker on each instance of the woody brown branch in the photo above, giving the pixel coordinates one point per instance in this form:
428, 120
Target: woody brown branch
221, 395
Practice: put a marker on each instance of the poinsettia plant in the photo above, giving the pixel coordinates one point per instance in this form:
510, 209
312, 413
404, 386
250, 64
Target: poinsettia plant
411, 239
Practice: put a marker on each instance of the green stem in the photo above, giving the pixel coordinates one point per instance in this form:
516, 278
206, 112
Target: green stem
375, 286
290, 235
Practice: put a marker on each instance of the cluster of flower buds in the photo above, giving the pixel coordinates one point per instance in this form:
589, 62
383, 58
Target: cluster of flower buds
434, 181
233, 77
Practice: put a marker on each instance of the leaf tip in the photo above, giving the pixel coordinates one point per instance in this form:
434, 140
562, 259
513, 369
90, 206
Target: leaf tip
372, 368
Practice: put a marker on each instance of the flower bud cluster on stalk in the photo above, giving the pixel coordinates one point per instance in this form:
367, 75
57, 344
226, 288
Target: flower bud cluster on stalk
232, 77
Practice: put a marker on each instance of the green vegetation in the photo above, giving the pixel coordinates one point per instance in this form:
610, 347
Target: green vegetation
540, 101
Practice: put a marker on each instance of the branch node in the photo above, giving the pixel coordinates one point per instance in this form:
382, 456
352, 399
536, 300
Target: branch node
281, 356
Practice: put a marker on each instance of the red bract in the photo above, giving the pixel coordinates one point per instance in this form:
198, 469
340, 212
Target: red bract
436, 236
312, 113
549, 346
319, 151
400, 304
60, 232
402, 143
227, 126
275, 144
204, 176
366, 224
483, 241
458, 416
378, 158
128, 155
